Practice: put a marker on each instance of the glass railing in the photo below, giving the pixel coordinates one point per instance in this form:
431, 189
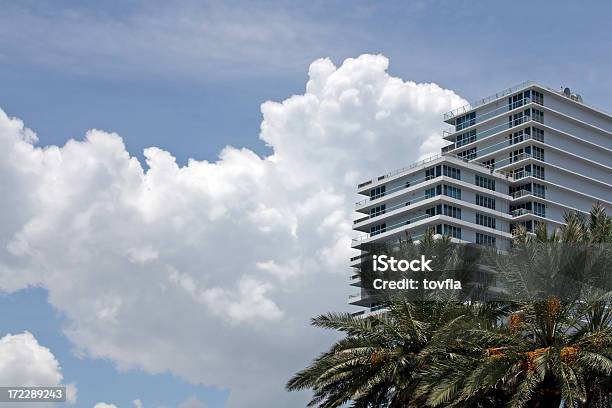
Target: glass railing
415, 182
491, 131
505, 143
523, 193
402, 170
500, 145
520, 211
522, 174
391, 228
471, 106
520, 193
488, 115
393, 207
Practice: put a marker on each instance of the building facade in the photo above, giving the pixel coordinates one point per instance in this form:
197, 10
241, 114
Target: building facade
526, 155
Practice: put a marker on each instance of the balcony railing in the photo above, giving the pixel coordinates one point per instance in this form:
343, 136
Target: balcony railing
418, 181
390, 228
520, 211
393, 207
522, 193
402, 170
491, 131
489, 114
415, 182
471, 106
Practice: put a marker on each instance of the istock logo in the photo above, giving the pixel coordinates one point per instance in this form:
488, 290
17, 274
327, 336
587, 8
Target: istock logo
383, 263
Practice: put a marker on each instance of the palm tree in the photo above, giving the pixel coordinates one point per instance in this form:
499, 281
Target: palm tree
378, 362
547, 347
549, 351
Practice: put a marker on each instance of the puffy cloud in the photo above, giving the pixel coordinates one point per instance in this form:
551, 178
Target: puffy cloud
104, 405
211, 270
24, 362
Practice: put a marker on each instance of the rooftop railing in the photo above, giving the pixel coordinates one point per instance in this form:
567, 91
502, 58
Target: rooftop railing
473, 105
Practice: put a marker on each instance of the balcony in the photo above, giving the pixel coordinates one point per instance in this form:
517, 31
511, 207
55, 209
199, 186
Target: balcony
520, 211
365, 201
484, 116
392, 227
392, 208
498, 147
401, 170
520, 193
471, 106
523, 193
485, 133
413, 183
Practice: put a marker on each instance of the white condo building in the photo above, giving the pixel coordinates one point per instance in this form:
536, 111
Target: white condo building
525, 155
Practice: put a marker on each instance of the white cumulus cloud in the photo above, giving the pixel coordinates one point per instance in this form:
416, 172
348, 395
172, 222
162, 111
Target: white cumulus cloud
211, 270
25, 363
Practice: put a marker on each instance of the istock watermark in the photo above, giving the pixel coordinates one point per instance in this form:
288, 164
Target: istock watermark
384, 263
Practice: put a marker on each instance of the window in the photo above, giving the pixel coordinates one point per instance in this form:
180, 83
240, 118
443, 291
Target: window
516, 155
451, 211
378, 229
450, 230
538, 153
485, 182
451, 172
539, 209
518, 118
378, 210
465, 121
484, 239
453, 192
516, 137
538, 97
377, 192
468, 154
538, 171
538, 115
431, 192
466, 138
538, 134
432, 172
515, 101
539, 190
489, 163
434, 210
485, 220
485, 201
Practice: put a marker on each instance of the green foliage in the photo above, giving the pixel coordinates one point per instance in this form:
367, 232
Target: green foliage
537, 352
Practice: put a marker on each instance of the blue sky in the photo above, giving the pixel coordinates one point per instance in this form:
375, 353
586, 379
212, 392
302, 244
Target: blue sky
197, 105
158, 76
